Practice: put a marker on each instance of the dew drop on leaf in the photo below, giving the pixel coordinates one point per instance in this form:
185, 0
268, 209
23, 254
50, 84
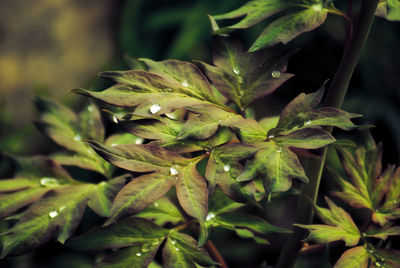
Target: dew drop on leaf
279, 150
177, 249
156, 204
185, 83
114, 144
173, 171
307, 122
77, 137
139, 140
138, 254
227, 168
115, 119
53, 214
173, 242
155, 108
378, 264
49, 182
276, 74
145, 248
62, 208
271, 136
317, 7
236, 71
210, 216
90, 108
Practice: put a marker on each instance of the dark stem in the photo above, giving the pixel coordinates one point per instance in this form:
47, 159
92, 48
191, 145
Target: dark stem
336, 93
214, 253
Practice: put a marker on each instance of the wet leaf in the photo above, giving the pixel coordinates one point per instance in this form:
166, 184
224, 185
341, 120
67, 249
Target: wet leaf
356, 257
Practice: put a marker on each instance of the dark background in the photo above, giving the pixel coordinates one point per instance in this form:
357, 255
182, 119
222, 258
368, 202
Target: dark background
48, 47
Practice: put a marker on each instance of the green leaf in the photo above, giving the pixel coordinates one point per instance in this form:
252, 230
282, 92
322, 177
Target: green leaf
387, 257
223, 168
180, 250
127, 232
383, 232
338, 226
206, 121
161, 212
139, 193
191, 190
356, 257
277, 164
244, 233
306, 139
139, 157
389, 9
139, 256
244, 77
288, 27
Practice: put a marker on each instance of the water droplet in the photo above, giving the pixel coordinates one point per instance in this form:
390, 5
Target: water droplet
185, 83
236, 70
145, 248
307, 122
155, 108
77, 138
370, 251
173, 171
138, 254
53, 214
114, 144
276, 74
271, 136
173, 242
279, 150
156, 204
227, 168
317, 7
115, 119
139, 140
210, 216
62, 208
172, 116
378, 264
49, 182
90, 108
394, 202
177, 249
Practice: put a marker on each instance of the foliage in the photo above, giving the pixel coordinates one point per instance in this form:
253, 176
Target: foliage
192, 161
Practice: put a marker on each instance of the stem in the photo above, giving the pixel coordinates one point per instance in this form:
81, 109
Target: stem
214, 253
336, 93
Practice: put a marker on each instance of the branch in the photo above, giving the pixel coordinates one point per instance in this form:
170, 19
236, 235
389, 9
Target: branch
214, 253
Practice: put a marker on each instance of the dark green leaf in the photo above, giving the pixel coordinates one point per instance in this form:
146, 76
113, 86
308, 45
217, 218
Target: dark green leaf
162, 211
306, 139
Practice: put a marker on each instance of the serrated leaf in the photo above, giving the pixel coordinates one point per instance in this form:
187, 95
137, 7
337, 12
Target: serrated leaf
356, 257
223, 168
220, 203
389, 9
338, 226
277, 165
162, 211
125, 233
383, 232
192, 193
139, 157
244, 77
180, 249
250, 131
288, 27
139, 193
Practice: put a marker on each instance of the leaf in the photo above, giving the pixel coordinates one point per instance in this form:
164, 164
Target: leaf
244, 233
126, 232
338, 226
306, 139
388, 257
356, 257
139, 157
301, 16
223, 168
135, 256
180, 250
162, 211
278, 165
69, 130
139, 193
389, 9
244, 77
191, 190
300, 114
206, 121
288, 27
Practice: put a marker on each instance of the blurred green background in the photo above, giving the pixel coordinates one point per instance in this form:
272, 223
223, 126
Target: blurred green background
48, 47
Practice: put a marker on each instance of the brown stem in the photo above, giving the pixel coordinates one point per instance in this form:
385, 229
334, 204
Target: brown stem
214, 253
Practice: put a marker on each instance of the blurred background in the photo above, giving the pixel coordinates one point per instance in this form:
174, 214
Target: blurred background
48, 47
